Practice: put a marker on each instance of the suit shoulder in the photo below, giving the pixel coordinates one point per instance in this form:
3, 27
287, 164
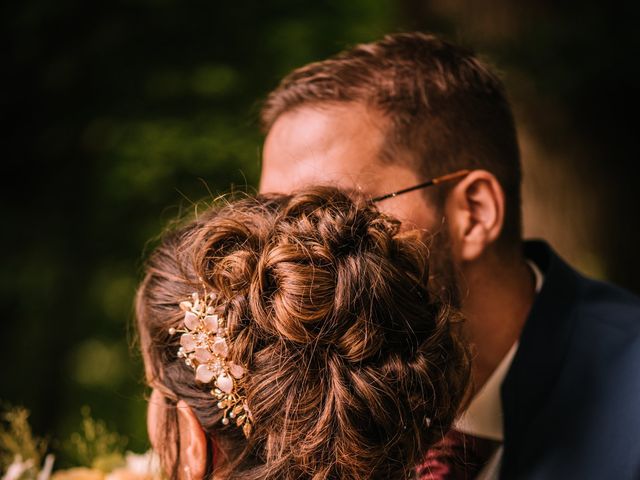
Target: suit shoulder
607, 303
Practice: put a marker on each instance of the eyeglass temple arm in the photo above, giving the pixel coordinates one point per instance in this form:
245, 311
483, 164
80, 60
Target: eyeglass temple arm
428, 183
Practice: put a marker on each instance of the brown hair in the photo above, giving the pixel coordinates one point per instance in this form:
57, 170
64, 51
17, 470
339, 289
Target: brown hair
446, 107
354, 366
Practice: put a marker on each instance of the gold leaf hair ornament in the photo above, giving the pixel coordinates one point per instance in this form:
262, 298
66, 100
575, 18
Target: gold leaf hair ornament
204, 345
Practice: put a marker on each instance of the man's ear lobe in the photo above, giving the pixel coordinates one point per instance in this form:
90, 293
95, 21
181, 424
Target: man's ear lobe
476, 210
193, 444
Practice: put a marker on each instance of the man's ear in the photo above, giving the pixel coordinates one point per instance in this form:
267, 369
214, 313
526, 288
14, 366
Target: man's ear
193, 444
475, 210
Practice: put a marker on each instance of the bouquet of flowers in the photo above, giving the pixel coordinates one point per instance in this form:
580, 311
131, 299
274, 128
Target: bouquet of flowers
99, 452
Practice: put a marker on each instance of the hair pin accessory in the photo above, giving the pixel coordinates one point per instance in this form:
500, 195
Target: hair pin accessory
204, 345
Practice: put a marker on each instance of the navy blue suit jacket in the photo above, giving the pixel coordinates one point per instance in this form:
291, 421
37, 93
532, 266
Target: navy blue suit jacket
571, 398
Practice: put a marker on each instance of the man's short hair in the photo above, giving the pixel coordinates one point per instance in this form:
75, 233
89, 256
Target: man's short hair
446, 108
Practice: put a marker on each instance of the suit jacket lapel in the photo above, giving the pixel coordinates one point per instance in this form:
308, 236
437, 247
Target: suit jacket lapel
541, 352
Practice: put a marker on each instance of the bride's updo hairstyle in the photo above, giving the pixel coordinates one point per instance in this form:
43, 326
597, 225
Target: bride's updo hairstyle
353, 366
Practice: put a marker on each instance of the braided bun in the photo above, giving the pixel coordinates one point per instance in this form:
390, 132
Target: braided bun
354, 370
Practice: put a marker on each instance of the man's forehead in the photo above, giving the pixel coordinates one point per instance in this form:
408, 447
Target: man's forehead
330, 144
340, 146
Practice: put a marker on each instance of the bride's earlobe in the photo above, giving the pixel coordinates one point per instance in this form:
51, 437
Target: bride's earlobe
193, 443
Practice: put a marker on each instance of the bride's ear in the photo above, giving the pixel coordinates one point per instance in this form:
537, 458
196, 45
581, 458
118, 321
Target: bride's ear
193, 444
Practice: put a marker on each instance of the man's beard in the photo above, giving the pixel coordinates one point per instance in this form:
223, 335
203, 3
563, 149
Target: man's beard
444, 278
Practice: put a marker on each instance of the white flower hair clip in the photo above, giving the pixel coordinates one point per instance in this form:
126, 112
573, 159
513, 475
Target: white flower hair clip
205, 347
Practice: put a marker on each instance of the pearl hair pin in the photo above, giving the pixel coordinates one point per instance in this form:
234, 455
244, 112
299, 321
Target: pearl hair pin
205, 347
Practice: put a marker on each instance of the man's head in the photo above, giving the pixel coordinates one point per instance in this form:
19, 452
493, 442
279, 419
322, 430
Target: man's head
390, 114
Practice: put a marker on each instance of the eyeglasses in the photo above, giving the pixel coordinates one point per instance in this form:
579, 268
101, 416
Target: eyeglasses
428, 183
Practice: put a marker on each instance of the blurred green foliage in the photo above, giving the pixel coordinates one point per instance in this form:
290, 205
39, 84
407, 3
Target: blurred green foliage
94, 446
17, 440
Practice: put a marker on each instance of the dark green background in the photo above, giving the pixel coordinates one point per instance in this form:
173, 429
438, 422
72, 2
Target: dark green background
119, 114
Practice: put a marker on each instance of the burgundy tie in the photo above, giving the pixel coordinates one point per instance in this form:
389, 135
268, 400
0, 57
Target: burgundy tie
458, 456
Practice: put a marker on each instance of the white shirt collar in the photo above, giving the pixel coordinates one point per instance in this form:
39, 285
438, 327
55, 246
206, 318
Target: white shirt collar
537, 273
483, 416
